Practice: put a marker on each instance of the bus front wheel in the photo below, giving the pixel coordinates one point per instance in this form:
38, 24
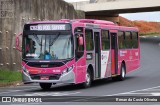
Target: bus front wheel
45, 86
87, 83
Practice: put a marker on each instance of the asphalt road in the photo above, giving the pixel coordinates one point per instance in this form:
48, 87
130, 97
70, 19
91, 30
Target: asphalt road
143, 82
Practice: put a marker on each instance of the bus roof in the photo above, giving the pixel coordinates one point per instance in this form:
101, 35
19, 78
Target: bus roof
101, 23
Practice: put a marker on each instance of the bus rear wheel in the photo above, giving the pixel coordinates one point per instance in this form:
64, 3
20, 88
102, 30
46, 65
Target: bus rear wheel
122, 76
87, 83
45, 86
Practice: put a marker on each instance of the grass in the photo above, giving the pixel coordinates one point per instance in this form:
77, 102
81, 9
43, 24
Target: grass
150, 34
9, 77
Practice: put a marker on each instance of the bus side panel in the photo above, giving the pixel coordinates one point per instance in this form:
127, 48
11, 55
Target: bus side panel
135, 60
108, 69
124, 55
81, 67
81, 70
104, 63
131, 58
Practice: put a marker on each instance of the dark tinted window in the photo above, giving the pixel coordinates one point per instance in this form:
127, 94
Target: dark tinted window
105, 40
128, 40
121, 40
89, 39
134, 40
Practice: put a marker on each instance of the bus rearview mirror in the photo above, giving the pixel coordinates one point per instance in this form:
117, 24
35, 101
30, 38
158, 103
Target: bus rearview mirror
17, 42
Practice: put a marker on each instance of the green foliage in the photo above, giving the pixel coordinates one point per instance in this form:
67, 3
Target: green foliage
150, 34
7, 76
80, 14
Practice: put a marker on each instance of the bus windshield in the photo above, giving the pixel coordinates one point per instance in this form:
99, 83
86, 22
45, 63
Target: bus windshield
47, 47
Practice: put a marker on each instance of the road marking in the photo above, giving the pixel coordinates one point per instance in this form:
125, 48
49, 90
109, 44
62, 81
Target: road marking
139, 93
50, 94
27, 86
17, 90
130, 92
25, 104
40, 94
14, 90
146, 94
34, 85
155, 94
152, 90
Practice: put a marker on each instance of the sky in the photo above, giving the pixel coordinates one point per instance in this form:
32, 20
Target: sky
147, 16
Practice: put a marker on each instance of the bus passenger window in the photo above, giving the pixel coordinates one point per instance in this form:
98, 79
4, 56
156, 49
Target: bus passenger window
128, 43
121, 38
89, 39
105, 40
135, 39
30, 46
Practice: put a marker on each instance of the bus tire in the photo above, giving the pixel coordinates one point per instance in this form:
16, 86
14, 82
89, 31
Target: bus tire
122, 76
45, 86
88, 81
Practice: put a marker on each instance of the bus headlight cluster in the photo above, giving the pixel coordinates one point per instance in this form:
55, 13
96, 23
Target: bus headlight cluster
68, 69
25, 70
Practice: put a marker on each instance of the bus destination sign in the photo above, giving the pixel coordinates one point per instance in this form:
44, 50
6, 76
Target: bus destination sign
48, 27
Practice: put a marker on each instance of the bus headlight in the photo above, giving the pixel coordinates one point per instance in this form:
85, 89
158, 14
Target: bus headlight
25, 70
68, 69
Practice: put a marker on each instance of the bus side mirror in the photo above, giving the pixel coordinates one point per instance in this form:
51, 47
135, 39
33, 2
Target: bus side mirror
17, 42
80, 41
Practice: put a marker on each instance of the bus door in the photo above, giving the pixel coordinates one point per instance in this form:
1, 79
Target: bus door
114, 52
80, 58
97, 54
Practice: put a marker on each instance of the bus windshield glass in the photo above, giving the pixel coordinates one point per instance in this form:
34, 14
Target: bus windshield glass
47, 47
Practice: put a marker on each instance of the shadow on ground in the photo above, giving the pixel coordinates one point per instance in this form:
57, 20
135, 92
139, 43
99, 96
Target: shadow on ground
70, 87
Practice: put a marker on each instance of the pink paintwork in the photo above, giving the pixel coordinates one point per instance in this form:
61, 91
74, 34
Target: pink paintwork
54, 70
130, 56
17, 42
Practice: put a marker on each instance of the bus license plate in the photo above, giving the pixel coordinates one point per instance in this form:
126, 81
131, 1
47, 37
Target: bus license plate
44, 78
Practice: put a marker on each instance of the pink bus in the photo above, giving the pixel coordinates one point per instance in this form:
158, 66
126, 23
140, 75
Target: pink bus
77, 51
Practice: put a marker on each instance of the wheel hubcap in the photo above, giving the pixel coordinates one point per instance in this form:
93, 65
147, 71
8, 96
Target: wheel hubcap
87, 79
123, 73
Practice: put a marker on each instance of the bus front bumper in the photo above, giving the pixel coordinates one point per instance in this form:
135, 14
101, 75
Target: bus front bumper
65, 78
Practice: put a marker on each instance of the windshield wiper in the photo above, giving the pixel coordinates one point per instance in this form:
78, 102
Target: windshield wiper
37, 39
53, 40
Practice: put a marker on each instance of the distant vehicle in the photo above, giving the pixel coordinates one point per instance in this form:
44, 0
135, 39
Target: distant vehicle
77, 51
